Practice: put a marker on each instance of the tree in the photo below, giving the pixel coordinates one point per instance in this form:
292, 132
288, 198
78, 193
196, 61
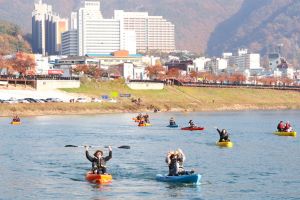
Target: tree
155, 72
194, 75
22, 63
90, 70
4, 63
173, 73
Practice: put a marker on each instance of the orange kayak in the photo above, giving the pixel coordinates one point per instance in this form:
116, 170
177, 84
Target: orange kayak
98, 178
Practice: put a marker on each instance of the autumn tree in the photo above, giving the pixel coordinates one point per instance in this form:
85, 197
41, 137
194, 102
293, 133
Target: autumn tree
173, 73
22, 63
90, 70
155, 72
4, 63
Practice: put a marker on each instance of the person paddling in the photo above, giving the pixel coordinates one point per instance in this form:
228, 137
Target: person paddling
172, 122
288, 127
16, 118
192, 124
280, 126
146, 118
98, 161
173, 163
224, 135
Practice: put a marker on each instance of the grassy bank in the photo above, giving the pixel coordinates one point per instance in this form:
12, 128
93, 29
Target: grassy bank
172, 98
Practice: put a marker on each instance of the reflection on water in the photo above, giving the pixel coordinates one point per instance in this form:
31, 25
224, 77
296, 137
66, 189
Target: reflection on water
35, 164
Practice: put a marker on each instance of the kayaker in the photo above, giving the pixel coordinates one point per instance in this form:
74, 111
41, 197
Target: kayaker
280, 126
181, 159
288, 127
173, 163
142, 122
16, 118
172, 122
98, 161
139, 117
191, 123
224, 136
146, 118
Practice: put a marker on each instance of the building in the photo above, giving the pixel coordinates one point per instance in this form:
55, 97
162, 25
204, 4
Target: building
117, 58
216, 65
47, 28
95, 34
244, 60
152, 32
70, 43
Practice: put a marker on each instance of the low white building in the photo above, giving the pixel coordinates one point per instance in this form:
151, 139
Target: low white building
216, 65
199, 63
244, 60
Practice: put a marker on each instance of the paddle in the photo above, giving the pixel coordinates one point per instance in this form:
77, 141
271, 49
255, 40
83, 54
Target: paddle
120, 147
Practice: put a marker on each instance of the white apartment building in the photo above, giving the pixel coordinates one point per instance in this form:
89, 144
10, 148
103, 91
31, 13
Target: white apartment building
46, 29
95, 34
129, 41
244, 60
152, 32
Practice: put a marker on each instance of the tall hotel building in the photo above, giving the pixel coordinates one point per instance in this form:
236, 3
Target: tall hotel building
47, 28
152, 32
95, 34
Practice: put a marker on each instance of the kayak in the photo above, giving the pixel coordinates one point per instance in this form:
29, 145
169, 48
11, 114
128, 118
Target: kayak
98, 178
293, 134
15, 123
193, 129
145, 124
173, 126
193, 178
224, 144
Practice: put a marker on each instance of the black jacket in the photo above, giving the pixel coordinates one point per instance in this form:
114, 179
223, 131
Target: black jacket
98, 163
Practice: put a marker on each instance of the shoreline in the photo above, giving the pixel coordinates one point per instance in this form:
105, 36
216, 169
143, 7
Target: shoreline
84, 110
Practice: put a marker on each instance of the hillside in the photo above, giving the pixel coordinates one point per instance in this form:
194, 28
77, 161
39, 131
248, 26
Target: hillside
210, 26
11, 39
260, 25
194, 19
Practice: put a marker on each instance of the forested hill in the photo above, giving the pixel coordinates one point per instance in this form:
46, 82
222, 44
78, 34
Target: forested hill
11, 39
260, 26
210, 26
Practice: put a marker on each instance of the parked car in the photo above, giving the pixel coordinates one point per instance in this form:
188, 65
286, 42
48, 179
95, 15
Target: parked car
23, 101
96, 100
31, 100
82, 100
54, 100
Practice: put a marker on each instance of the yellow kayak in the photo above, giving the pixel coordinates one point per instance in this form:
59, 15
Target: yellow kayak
145, 124
15, 123
293, 134
225, 144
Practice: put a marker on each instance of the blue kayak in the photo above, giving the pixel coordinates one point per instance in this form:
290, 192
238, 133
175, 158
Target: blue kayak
173, 126
193, 178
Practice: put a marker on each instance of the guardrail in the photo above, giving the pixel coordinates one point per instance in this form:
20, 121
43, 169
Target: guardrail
253, 86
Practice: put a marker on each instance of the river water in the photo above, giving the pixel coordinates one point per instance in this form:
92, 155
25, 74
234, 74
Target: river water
36, 165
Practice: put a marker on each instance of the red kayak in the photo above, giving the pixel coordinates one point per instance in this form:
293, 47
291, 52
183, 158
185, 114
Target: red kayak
193, 128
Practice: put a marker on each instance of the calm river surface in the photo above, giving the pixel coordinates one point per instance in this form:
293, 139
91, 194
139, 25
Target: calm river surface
36, 165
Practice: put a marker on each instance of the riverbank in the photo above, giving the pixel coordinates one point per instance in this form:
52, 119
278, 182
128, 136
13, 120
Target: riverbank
170, 99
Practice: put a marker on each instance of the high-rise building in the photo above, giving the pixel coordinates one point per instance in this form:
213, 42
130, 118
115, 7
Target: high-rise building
70, 43
152, 32
95, 34
47, 28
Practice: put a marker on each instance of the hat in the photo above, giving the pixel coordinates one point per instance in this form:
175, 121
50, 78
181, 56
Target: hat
95, 154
